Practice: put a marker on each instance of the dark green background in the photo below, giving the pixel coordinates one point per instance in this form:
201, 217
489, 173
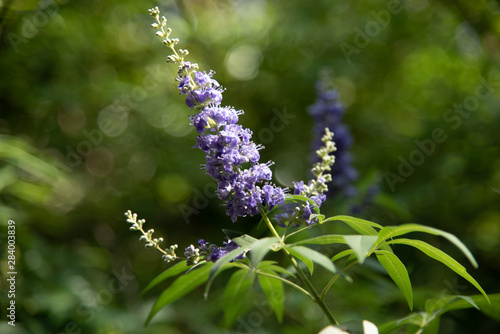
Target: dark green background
92, 125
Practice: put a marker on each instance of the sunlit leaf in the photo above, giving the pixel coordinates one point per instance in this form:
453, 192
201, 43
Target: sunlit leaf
314, 256
361, 226
323, 240
307, 261
342, 254
394, 231
241, 239
360, 244
442, 257
260, 248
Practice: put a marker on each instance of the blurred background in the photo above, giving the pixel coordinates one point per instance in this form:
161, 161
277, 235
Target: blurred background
91, 125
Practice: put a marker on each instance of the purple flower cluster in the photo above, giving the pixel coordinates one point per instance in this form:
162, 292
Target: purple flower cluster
228, 147
307, 209
328, 112
204, 91
214, 253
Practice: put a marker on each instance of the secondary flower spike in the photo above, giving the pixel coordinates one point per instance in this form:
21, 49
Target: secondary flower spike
327, 111
232, 158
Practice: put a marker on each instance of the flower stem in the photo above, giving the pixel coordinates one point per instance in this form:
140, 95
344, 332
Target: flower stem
334, 278
315, 296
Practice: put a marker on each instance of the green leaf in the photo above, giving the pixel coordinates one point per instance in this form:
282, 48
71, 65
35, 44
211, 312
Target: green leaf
318, 216
271, 266
397, 270
260, 248
323, 240
219, 265
361, 244
284, 280
442, 304
342, 254
491, 309
361, 226
275, 293
304, 199
172, 271
231, 234
180, 287
307, 261
242, 240
315, 257
413, 319
236, 290
429, 321
394, 231
442, 257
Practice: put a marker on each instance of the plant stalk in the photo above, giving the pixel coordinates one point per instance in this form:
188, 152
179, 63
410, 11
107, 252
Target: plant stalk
316, 298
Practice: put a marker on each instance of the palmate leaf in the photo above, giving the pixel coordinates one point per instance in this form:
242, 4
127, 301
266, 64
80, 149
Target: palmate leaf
394, 231
180, 287
274, 291
442, 257
314, 256
397, 271
172, 271
235, 294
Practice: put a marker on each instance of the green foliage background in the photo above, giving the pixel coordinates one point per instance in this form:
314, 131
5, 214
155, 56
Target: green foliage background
74, 70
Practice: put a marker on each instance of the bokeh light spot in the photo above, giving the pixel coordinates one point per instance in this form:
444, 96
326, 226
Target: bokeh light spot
243, 62
173, 188
113, 120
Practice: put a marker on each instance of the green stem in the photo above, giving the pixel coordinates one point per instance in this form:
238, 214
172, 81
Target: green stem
298, 287
316, 298
334, 278
298, 231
